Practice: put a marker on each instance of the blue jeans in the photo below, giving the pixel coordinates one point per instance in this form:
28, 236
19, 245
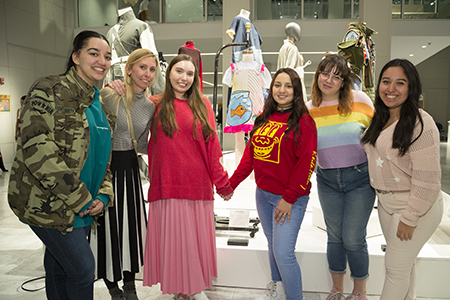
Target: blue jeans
69, 264
282, 239
347, 201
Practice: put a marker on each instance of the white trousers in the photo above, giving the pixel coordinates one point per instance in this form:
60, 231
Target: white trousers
401, 255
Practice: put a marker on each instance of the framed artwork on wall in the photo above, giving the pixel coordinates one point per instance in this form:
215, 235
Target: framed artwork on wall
5, 104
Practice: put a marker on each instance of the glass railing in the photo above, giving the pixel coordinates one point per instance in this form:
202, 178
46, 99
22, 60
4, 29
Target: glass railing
421, 9
95, 13
306, 9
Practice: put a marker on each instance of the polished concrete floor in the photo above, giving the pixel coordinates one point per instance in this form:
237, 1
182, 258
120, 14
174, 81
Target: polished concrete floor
21, 256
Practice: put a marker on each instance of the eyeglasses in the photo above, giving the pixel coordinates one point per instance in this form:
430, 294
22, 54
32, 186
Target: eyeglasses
335, 78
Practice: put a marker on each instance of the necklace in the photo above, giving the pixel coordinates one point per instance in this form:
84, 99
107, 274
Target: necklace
284, 108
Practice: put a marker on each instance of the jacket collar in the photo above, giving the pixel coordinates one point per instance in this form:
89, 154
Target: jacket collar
86, 91
127, 17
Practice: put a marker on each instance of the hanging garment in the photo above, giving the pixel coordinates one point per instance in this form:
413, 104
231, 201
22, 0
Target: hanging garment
289, 57
358, 48
247, 80
189, 49
237, 29
126, 36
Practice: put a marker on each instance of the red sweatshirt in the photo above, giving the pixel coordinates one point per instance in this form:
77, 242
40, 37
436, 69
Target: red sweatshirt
282, 166
182, 167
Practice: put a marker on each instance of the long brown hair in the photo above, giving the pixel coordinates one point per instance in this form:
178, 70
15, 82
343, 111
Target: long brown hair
334, 63
409, 113
298, 109
194, 97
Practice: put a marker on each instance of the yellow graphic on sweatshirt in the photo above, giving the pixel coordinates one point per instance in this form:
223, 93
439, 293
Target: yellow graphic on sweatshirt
267, 141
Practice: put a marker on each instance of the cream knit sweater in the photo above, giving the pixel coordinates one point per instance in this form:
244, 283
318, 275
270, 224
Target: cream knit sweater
418, 171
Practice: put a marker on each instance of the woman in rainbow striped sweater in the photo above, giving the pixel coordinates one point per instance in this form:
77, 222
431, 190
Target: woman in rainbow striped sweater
345, 194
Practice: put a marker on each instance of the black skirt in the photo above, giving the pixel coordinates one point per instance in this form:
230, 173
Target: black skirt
119, 238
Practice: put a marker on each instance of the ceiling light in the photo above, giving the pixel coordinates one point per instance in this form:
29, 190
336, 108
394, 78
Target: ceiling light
411, 54
424, 46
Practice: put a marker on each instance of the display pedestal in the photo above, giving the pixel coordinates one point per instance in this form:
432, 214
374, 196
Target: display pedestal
249, 266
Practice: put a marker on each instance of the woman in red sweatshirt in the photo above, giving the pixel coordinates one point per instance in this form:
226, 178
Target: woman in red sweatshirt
282, 152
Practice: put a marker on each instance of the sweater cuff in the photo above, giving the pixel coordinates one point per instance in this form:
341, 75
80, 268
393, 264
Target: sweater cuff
233, 183
409, 219
225, 190
104, 198
289, 198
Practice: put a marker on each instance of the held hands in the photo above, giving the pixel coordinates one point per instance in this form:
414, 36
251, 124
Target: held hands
95, 208
226, 197
404, 232
119, 86
283, 212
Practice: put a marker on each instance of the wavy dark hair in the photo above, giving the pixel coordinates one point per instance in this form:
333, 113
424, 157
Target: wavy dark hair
334, 63
195, 99
298, 108
409, 112
81, 41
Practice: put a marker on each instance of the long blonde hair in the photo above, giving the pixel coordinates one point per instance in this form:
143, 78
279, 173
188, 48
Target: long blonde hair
134, 58
194, 97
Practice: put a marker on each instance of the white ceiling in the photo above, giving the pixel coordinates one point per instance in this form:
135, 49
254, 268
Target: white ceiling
403, 46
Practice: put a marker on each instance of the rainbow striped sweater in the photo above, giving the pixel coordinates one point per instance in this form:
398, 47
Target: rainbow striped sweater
339, 136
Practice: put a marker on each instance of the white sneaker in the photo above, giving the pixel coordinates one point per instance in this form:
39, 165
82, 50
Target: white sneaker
200, 296
274, 291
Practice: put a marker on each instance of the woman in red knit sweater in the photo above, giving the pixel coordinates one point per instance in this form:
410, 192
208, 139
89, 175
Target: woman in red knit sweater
183, 156
282, 152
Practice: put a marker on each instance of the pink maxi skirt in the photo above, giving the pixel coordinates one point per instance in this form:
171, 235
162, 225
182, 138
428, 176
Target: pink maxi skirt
180, 250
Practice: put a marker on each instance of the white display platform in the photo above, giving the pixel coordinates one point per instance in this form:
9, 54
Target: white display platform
240, 266
248, 266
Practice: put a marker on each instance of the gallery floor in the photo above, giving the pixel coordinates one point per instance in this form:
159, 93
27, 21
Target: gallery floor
243, 271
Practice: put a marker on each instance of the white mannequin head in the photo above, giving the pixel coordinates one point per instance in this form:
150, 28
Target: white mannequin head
124, 10
247, 56
293, 31
245, 13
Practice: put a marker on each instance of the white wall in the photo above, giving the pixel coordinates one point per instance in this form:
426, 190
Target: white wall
35, 38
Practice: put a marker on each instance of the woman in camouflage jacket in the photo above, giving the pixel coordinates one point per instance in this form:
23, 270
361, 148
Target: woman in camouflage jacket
60, 179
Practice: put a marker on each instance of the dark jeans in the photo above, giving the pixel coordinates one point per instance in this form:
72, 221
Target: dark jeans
69, 264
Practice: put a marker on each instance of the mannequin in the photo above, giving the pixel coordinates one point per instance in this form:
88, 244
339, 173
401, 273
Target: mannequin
293, 31
126, 36
244, 14
289, 57
247, 80
247, 56
143, 11
358, 36
189, 49
238, 33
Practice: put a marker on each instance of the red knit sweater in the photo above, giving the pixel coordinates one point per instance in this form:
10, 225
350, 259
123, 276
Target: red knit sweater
283, 167
182, 167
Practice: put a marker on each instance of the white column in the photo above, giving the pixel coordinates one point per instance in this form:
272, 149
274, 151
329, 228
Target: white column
378, 16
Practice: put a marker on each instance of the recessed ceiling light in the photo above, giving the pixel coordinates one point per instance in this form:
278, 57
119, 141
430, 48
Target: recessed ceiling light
412, 54
424, 46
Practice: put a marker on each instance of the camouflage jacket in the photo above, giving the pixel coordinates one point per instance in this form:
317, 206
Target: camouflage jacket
52, 147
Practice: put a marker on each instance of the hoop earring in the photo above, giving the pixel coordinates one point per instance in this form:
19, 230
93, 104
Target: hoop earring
126, 80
